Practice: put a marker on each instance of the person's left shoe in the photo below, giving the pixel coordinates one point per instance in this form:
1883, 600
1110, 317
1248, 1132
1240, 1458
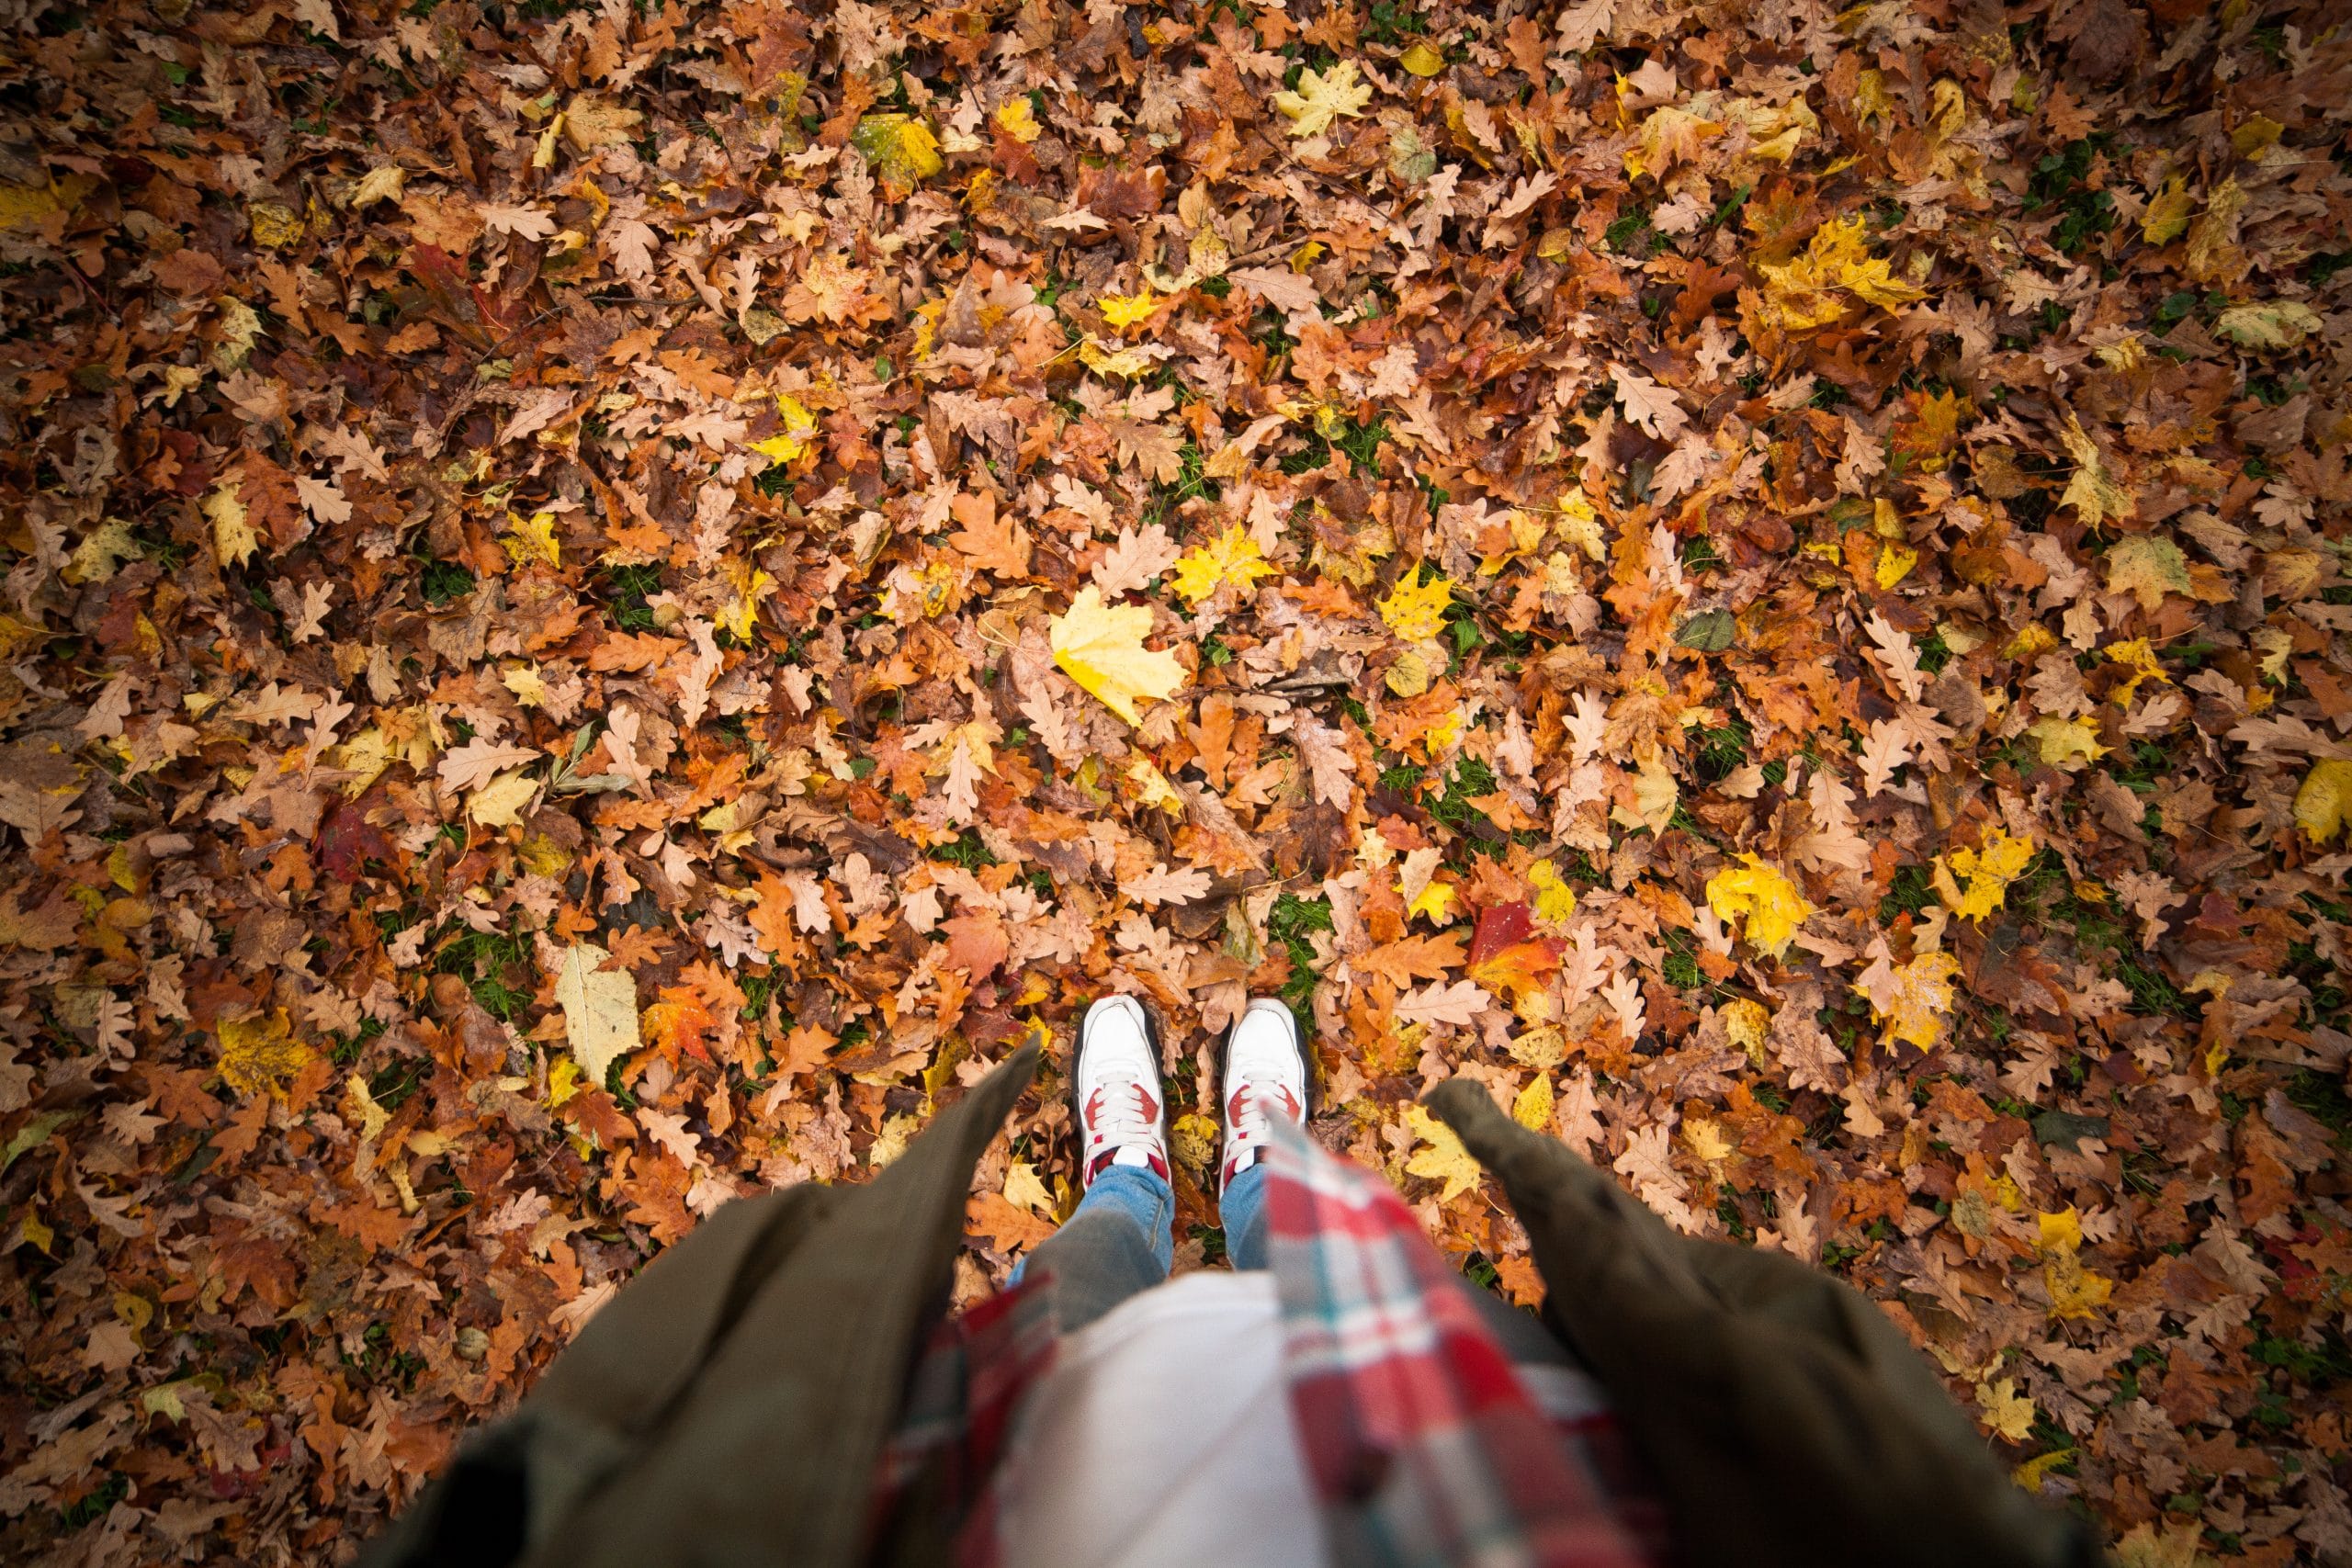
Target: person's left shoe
1266, 1078
1115, 1091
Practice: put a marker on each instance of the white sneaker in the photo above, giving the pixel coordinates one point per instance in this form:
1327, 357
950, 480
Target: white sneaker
1114, 1091
1265, 1077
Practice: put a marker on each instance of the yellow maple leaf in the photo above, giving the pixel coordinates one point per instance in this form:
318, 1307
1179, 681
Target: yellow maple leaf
1100, 647
2059, 1233
2075, 1290
2063, 739
2166, 217
2009, 1414
1023, 1187
259, 1054
1812, 289
276, 225
1435, 900
1126, 310
1908, 1001
1233, 557
531, 539
1323, 96
2324, 801
1416, 610
901, 148
2094, 492
1445, 1160
1017, 118
1765, 901
1987, 870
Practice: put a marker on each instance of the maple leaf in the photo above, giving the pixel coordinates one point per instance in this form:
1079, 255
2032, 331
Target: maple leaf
1233, 556
259, 1054
1766, 903
1988, 869
2143, 565
1445, 1160
1909, 1000
1323, 96
1100, 647
901, 148
1127, 310
2009, 1414
1415, 610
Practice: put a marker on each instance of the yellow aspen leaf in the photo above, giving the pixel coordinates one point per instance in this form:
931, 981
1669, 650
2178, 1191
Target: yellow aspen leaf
901, 148
1234, 557
1126, 310
1410, 675
1416, 610
1532, 1106
1554, 900
1765, 903
1421, 60
531, 539
1445, 1160
1908, 1001
1973, 882
2009, 1414
258, 1055
2075, 1290
1323, 96
2324, 801
1100, 647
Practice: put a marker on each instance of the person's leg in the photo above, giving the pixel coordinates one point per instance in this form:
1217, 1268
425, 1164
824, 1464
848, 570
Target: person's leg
1243, 1209
1118, 1242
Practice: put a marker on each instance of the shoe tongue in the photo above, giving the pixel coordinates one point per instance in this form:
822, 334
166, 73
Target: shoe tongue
1134, 1153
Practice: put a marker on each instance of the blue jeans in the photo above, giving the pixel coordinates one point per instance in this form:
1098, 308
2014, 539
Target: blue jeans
1119, 1240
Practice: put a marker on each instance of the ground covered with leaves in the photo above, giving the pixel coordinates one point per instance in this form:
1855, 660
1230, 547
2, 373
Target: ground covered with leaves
605, 604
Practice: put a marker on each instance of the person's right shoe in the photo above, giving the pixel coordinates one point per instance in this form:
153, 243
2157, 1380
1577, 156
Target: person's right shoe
1266, 1077
1115, 1091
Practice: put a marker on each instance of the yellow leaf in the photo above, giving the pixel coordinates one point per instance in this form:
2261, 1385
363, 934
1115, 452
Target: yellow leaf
2280, 324
1811, 289
1765, 901
750, 585
1100, 647
599, 1010
384, 184
2009, 1414
1022, 1189
2063, 739
276, 225
2031, 1473
1656, 794
530, 688
1435, 900
1908, 1001
1128, 361
1555, 899
1152, 787
1192, 1139
2075, 1290
500, 803
900, 147
1704, 1137
1126, 310
2147, 568
259, 1054
233, 539
2061, 1232
1323, 96
1422, 61
2166, 217
1988, 869
2094, 492
1445, 1160
1534, 1105
1017, 118
1409, 676
531, 539
2138, 654
1746, 1024
2324, 801
1416, 610
1895, 563
1234, 557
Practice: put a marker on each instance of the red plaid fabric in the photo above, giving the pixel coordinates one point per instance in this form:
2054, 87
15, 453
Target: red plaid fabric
1421, 1442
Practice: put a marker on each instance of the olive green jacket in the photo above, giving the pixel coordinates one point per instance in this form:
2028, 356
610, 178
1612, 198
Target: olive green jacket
729, 1405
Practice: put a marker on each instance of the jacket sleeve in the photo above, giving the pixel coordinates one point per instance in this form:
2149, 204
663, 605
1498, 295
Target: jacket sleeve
727, 1406
1785, 1421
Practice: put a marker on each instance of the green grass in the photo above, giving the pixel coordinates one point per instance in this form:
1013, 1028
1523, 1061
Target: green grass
444, 580
1290, 923
626, 589
485, 959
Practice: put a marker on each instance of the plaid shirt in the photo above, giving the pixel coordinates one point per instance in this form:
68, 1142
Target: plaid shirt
1422, 1444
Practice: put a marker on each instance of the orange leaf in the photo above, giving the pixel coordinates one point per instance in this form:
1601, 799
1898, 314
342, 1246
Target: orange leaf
1413, 958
